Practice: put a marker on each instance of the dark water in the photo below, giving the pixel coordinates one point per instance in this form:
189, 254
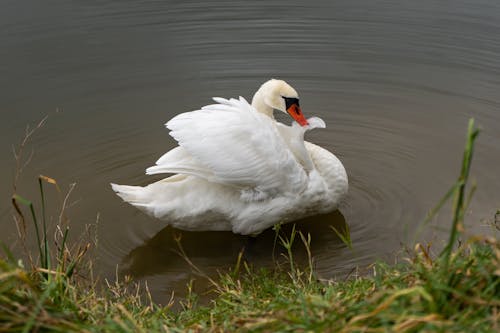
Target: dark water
395, 81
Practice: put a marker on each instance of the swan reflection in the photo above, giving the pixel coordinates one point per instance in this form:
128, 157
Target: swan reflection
212, 251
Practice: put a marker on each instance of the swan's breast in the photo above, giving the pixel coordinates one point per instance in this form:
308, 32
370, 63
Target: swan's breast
330, 169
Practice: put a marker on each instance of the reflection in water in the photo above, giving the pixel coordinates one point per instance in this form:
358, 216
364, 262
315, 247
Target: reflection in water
159, 254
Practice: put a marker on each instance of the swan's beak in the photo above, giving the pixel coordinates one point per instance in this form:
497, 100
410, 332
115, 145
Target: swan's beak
296, 113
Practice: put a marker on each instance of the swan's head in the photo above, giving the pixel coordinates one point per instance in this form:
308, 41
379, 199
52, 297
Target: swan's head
279, 95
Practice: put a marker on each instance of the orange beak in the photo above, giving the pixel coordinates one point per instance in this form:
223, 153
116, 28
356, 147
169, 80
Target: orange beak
294, 111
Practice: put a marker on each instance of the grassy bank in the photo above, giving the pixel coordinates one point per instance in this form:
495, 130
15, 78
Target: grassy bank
422, 294
455, 290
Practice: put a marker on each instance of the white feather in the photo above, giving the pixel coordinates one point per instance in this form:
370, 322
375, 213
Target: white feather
236, 145
237, 169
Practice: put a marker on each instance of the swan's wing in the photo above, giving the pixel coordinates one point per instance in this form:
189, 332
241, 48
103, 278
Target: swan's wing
233, 144
178, 160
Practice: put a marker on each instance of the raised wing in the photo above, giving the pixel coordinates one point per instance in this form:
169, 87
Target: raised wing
233, 144
178, 160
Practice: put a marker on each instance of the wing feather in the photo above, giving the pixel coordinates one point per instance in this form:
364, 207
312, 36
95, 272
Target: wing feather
178, 160
231, 143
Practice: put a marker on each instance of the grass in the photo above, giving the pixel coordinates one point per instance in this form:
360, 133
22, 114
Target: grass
455, 291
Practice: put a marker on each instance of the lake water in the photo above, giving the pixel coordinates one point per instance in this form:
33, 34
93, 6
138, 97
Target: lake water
395, 81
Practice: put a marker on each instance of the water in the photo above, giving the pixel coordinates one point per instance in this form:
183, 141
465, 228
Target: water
395, 81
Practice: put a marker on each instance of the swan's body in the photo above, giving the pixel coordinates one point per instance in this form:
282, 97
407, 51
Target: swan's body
238, 169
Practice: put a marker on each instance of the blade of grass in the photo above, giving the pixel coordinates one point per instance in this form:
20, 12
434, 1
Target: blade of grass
17, 198
344, 235
459, 206
276, 228
63, 246
307, 245
287, 244
41, 179
435, 210
45, 263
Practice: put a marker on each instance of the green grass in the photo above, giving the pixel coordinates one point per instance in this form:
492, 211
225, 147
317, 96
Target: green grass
455, 291
414, 296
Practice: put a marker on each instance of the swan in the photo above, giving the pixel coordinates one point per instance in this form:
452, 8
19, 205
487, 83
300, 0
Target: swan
237, 169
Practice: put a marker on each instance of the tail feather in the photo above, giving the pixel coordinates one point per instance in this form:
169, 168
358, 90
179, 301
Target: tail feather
131, 194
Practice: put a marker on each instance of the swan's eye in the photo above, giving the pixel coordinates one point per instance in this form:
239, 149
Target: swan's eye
289, 101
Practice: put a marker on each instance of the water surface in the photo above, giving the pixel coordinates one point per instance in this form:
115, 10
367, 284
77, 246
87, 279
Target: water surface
395, 81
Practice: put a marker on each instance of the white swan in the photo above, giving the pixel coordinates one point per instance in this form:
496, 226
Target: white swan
238, 169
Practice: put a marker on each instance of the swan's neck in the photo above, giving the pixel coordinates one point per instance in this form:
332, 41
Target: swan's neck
294, 138
260, 105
